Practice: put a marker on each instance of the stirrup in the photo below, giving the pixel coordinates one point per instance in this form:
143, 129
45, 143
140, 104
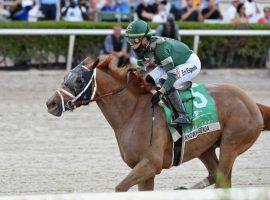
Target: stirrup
183, 119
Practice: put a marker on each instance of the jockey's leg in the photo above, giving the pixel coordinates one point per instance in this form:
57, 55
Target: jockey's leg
175, 99
184, 72
187, 71
177, 104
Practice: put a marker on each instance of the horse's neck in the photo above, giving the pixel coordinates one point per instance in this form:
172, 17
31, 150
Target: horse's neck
117, 108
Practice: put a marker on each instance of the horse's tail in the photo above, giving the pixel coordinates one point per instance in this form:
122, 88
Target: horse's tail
265, 110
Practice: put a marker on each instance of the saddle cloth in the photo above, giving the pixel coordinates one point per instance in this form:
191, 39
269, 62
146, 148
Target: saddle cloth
202, 112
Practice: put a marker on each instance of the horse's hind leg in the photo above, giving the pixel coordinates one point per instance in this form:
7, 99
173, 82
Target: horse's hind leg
232, 144
210, 160
226, 161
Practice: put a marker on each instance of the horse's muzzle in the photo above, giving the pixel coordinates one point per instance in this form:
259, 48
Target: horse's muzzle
54, 108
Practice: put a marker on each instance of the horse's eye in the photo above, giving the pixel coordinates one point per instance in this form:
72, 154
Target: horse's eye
79, 83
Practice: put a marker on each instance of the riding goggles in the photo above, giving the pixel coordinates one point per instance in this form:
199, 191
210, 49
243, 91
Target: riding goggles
133, 41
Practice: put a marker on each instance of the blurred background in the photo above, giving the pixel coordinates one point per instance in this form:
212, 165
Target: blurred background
103, 22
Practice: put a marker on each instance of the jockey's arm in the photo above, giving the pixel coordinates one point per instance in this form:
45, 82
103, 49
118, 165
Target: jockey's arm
167, 64
168, 83
141, 66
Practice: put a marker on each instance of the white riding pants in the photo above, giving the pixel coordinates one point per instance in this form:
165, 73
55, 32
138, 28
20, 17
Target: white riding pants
185, 72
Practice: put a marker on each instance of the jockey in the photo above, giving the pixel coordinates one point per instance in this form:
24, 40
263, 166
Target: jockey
174, 64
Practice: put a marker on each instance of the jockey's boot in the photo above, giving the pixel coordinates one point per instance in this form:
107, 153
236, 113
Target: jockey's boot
176, 100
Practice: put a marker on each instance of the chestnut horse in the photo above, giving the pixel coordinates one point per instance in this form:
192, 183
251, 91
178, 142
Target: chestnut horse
128, 111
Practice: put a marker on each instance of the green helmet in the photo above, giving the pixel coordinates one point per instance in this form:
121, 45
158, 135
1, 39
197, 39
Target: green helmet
138, 29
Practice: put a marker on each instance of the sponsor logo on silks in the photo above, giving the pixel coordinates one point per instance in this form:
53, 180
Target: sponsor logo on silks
178, 73
188, 70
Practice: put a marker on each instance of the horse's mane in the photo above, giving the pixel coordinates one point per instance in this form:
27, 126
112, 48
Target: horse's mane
134, 81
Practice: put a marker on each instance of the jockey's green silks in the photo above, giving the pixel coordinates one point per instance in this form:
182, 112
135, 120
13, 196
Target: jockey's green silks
166, 53
169, 81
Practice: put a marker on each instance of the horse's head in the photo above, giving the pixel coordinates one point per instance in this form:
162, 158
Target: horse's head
78, 85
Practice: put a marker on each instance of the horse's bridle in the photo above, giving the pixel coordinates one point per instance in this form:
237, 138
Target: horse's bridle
70, 106
73, 103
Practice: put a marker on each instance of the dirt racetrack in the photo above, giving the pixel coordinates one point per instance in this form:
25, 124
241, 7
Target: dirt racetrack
40, 153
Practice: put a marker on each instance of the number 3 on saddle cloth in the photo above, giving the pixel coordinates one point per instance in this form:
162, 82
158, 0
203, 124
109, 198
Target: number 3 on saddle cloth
202, 112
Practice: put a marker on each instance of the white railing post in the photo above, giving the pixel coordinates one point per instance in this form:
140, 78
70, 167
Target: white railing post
70, 51
58, 11
196, 43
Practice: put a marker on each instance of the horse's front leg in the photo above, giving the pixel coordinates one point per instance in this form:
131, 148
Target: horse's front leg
143, 174
147, 184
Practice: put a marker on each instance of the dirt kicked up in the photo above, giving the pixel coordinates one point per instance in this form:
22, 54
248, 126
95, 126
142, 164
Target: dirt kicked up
78, 152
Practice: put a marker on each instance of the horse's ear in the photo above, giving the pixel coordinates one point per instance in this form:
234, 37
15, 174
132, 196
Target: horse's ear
88, 62
132, 72
95, 64
104, 61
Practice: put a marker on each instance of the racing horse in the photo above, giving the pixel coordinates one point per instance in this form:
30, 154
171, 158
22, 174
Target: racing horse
124, 98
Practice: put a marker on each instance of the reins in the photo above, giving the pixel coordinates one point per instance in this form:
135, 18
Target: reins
152, 125
113, 92
86, 102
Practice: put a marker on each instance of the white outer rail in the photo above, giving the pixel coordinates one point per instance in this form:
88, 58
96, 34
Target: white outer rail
205, 194
73, 32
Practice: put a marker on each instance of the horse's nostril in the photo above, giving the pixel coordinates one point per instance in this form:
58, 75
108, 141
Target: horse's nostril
48, 103
51, 104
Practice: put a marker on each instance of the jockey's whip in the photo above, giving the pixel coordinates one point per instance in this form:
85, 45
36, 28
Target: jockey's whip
153, 118
152, 125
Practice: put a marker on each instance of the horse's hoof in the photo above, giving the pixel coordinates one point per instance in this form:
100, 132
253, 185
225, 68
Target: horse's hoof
120, 188
181, 188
